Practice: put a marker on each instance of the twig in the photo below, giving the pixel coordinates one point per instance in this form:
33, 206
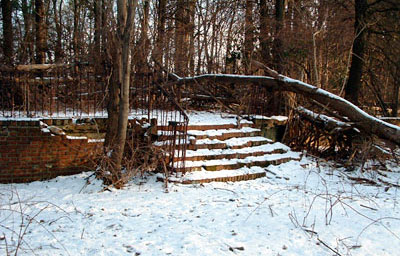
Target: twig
87, 182
388, 183
362, 180
327, 246
258, 206
368, 207
271, 211
226, 190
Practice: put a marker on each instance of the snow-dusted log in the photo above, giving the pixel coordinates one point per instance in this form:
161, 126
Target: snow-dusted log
277, 82
41, 66
329, 123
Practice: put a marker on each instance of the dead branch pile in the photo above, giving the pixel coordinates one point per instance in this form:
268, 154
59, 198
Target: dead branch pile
321, 135
140, 156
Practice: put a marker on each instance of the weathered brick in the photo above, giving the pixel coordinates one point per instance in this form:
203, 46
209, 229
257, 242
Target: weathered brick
27, 153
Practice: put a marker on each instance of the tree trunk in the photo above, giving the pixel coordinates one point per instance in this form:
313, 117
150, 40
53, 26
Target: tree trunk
181, 42
41, 32
57, 19
126, 14
230, 60
8, 35
159, 45
264, 38
98, 16
27, 54
249, 30
76, 34
277, 50
396, 91
143, 47
353, 84
191, 26
112, 109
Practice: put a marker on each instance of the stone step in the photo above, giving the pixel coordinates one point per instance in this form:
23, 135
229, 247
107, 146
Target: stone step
212, 145
204, 176
236, 163
224, 152
232, 143
213, 154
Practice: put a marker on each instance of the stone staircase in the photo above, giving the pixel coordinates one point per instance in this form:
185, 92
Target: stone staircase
226, 152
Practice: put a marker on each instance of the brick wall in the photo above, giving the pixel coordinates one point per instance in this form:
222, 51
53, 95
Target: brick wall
28, 153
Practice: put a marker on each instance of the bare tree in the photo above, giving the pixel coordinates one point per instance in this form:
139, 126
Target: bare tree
160, 40
264, 33
181, 37
41, 32
26, 51
249, 31
143, 45
98, 31
122, 62
278, 45
58, 52
353, 84
6, 8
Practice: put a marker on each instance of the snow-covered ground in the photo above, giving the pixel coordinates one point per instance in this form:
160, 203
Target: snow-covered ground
300, 208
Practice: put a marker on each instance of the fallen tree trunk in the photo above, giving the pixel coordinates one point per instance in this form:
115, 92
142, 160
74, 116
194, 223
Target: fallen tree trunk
277, 82
327, 122
41, 66
322, 135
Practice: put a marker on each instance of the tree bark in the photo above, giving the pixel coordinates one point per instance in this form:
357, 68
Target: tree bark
264, 38
76, 34
249, 30
143, 49
353, 84
98, 16
181, 37
58, 52
158, 53
41, 32
191, 26
41, 66
8, 35
396, 90
27, 53
277, 51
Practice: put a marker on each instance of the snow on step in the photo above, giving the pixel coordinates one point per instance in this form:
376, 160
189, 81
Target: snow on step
266, 148
212, 118
220, 132
248, 160
234, 141
273, 157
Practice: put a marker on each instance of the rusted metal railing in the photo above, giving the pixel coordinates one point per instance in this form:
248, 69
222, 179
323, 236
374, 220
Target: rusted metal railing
62, 91
76, 91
